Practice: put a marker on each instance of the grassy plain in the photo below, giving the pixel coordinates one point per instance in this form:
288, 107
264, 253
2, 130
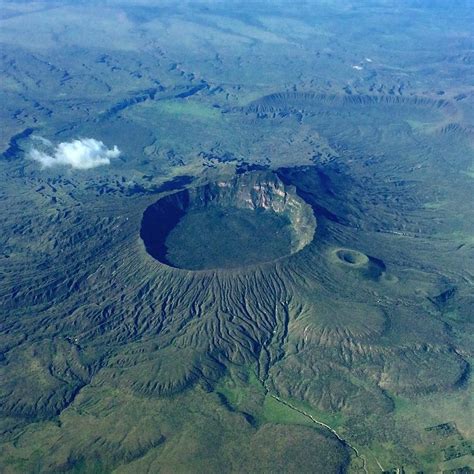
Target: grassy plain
113, 362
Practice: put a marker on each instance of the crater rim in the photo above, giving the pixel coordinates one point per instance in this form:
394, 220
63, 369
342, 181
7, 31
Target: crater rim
261, 193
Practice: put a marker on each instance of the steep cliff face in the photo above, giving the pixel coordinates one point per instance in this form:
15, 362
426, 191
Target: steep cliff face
255, 191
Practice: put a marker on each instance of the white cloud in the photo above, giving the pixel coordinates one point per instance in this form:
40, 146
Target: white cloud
81, 154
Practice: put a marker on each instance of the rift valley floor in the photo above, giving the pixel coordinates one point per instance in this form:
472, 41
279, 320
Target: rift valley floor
275, 275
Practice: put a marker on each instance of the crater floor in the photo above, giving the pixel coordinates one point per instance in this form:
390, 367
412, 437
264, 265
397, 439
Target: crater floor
228, 238
250, 219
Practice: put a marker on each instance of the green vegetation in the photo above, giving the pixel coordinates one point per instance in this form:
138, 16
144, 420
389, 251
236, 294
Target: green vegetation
135, 433
195, 110
226, 238
240, 127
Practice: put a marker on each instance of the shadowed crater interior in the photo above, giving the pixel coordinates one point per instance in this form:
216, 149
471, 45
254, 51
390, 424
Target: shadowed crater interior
249, 219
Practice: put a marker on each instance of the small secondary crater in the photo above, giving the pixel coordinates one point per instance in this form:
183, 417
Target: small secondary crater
250, 219
352, 257
355, 261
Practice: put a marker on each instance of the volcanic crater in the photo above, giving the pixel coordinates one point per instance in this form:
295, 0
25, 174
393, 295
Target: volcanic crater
246, 220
